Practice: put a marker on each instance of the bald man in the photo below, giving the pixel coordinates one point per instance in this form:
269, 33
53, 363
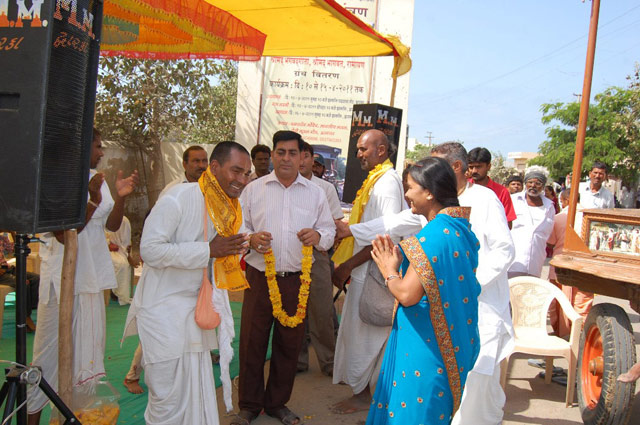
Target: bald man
360, 345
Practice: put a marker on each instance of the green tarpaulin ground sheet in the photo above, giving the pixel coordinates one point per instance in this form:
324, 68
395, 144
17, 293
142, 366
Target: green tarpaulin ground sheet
116, 360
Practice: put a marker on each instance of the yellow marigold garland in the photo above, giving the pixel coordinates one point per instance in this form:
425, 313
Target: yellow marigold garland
274, 291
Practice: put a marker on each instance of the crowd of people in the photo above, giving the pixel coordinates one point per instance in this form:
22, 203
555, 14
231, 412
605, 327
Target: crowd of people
424, 260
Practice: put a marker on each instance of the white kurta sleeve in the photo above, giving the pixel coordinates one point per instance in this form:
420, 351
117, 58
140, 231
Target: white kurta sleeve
157, 247
498, 243
398, 225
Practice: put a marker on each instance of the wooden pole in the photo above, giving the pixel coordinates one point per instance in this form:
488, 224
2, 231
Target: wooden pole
65, 340
393, 91
584, 114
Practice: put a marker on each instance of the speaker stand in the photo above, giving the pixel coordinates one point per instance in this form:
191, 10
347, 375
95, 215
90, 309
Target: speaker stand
14, 390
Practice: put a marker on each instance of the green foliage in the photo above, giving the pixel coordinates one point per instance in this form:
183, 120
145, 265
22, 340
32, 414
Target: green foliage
419, 152
141, 102
612, 136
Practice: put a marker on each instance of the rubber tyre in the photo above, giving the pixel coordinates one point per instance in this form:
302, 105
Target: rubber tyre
619, 354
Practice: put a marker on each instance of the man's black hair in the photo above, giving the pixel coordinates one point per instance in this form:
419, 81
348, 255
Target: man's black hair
286, 135
222, 151
514, 178
260, 148
306, 147
187, 152
479, 155
600, 165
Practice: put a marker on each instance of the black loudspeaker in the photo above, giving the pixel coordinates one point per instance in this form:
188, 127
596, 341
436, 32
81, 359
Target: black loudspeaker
367, 117
49, 51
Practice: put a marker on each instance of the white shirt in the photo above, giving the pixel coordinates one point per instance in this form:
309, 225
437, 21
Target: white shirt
530, 232
182, 179
174, 253
603, 198
283, 211
94, 269
489, 224
385, 198
332, 196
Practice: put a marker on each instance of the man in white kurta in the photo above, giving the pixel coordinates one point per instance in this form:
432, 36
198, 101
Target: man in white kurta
119, 247
483, 397
360, 346
194, 162
533, 225
94, 273
176, 357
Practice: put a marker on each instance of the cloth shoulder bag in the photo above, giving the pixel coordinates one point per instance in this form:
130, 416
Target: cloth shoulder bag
376, 302
206, 316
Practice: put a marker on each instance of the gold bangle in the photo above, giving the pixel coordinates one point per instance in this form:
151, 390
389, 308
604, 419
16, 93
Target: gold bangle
93, 203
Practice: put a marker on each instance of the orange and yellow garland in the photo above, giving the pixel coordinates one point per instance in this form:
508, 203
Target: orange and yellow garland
274, 291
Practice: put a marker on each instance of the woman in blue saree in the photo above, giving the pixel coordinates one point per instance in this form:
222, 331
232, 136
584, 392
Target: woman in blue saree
434, 341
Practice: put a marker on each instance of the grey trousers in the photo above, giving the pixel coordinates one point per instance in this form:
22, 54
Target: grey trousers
320, 313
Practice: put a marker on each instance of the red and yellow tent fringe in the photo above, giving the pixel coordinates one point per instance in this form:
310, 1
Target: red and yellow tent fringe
176, 29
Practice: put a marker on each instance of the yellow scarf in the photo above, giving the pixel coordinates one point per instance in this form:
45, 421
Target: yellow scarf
345, 249
226, 215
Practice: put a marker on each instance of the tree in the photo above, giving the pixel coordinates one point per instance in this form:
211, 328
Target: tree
499, 171
418, 152
143, 102
612, 135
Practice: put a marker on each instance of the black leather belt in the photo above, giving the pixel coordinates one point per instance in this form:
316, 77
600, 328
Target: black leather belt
287, 274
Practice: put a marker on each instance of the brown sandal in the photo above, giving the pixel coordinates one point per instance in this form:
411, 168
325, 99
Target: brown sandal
243, 417
286, 416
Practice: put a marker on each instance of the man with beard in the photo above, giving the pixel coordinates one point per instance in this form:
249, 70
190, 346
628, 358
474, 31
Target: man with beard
177, 256
483, 398
479, 165
360, 346
533, 225
318, 167
594, 194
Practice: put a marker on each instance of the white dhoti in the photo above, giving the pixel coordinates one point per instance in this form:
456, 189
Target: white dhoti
360, 347
122, 269
88, 333
181, 391
482, 400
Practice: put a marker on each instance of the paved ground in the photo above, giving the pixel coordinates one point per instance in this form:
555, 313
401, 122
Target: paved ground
529, 399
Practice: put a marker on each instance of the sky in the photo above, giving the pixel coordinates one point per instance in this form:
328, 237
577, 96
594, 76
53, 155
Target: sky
482, 69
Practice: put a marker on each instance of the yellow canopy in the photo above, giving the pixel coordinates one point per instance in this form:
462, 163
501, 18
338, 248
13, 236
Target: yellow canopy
238, 29
308, 28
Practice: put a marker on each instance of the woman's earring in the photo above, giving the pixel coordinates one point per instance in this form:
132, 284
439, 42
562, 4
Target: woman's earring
429, 198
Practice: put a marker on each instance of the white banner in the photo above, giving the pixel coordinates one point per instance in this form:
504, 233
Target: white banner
315, 96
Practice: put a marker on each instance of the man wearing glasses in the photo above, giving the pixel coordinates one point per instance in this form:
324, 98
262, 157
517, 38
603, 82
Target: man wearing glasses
533, 225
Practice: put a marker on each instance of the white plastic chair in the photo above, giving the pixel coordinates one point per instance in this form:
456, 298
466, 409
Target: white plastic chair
530, 300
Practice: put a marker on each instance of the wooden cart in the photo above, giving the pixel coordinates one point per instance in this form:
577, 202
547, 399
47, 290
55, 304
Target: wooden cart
596, 263
606, 261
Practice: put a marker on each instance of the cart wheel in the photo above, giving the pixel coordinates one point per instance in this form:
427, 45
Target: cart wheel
606, 350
